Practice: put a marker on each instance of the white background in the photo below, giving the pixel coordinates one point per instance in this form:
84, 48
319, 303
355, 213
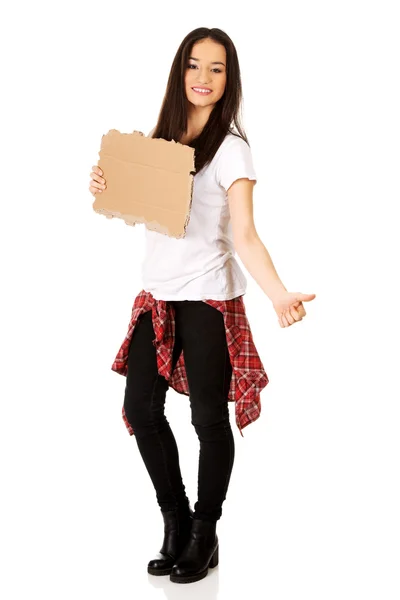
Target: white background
313, 506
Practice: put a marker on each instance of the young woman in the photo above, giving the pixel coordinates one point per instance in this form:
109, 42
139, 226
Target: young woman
188, 329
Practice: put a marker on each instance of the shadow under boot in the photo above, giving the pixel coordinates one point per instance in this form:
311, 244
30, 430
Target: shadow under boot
177, 527
200, 553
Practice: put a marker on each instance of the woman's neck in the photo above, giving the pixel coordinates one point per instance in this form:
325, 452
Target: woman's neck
196, 120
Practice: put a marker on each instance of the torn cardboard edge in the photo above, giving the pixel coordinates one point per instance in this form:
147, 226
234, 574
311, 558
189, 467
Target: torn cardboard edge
149, 180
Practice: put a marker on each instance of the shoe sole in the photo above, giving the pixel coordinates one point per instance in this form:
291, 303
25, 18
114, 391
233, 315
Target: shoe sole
190, 579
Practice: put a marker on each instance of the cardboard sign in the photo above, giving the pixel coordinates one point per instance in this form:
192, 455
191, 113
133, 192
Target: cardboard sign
148, 181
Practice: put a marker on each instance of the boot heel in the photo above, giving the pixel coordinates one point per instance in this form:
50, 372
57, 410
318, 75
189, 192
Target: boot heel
214, 559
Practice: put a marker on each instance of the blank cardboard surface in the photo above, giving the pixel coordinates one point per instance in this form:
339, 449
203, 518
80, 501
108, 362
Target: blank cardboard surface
148, 181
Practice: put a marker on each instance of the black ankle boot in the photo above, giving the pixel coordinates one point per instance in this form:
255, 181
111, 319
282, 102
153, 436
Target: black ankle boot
177, 527
200, 553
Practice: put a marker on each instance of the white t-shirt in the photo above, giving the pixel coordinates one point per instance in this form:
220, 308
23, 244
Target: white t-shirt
202, 265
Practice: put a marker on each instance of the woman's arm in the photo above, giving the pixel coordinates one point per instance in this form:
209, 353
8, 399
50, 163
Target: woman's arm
248, 244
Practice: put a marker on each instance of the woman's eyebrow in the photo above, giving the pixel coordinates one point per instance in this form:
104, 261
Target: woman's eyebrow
213, 63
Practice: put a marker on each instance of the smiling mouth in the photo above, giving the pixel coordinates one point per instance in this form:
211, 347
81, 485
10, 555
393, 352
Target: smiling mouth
202, 91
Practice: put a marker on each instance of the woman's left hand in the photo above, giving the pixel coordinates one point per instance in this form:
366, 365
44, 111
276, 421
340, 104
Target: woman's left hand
289, 307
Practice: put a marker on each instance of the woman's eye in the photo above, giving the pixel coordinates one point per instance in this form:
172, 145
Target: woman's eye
216, 70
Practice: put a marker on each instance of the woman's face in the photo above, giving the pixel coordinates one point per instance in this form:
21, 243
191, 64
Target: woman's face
206, 70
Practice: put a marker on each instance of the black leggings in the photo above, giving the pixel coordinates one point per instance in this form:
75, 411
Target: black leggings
200, 333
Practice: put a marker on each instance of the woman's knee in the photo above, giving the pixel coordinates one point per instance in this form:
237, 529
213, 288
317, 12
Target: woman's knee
210, 421
144, 404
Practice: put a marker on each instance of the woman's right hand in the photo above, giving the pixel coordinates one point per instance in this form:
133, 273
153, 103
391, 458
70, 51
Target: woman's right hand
97, 183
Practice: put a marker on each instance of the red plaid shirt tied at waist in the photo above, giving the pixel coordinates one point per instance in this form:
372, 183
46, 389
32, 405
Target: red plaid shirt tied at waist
248, 374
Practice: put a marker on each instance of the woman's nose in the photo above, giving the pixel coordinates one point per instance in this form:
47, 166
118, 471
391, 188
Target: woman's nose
203, 77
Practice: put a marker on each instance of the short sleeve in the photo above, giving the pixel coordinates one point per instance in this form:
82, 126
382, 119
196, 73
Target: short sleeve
235, 162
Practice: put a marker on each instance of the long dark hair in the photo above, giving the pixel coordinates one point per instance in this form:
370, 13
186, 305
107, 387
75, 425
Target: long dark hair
172, 119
